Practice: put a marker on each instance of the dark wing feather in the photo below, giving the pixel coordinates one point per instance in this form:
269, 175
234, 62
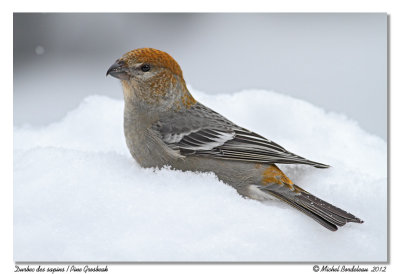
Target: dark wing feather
243, 146
203, 132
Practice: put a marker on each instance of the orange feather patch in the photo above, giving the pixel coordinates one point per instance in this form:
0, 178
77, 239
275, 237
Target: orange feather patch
273, 174
155, 57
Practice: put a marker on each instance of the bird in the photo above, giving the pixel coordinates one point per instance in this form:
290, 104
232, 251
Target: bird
164, 125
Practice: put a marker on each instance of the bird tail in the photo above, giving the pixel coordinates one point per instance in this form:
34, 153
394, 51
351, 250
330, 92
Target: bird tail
320, 211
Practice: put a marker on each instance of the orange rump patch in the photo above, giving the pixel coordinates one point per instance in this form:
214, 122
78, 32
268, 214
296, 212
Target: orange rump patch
273, 174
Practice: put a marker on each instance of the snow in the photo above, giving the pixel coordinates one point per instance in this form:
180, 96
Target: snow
79, 196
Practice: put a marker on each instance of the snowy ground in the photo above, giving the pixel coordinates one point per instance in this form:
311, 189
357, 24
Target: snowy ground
79, 196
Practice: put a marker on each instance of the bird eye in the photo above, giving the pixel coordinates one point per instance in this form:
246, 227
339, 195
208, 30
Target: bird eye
145, 67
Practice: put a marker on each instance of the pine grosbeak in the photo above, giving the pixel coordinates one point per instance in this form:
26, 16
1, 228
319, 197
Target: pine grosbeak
165, 125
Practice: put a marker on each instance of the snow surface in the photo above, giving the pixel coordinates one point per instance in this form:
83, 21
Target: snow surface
79, 196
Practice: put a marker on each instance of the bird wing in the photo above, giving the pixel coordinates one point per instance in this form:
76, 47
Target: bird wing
203, 132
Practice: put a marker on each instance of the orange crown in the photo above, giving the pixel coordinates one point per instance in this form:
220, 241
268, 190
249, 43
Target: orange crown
155, 57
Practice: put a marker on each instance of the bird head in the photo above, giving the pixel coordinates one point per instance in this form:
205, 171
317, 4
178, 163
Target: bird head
153, 77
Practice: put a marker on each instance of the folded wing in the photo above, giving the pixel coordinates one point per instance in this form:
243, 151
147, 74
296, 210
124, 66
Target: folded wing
203, 132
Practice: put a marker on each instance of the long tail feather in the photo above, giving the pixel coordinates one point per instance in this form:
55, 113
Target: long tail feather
322, 212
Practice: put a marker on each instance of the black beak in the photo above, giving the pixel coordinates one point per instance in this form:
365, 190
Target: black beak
118, 70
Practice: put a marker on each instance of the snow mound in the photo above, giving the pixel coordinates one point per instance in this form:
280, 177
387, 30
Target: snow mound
79, 196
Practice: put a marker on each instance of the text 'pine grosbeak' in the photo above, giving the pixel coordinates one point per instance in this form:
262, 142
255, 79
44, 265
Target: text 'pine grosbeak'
165, 126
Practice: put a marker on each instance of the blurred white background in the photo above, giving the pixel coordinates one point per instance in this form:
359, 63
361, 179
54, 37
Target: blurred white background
335, 61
